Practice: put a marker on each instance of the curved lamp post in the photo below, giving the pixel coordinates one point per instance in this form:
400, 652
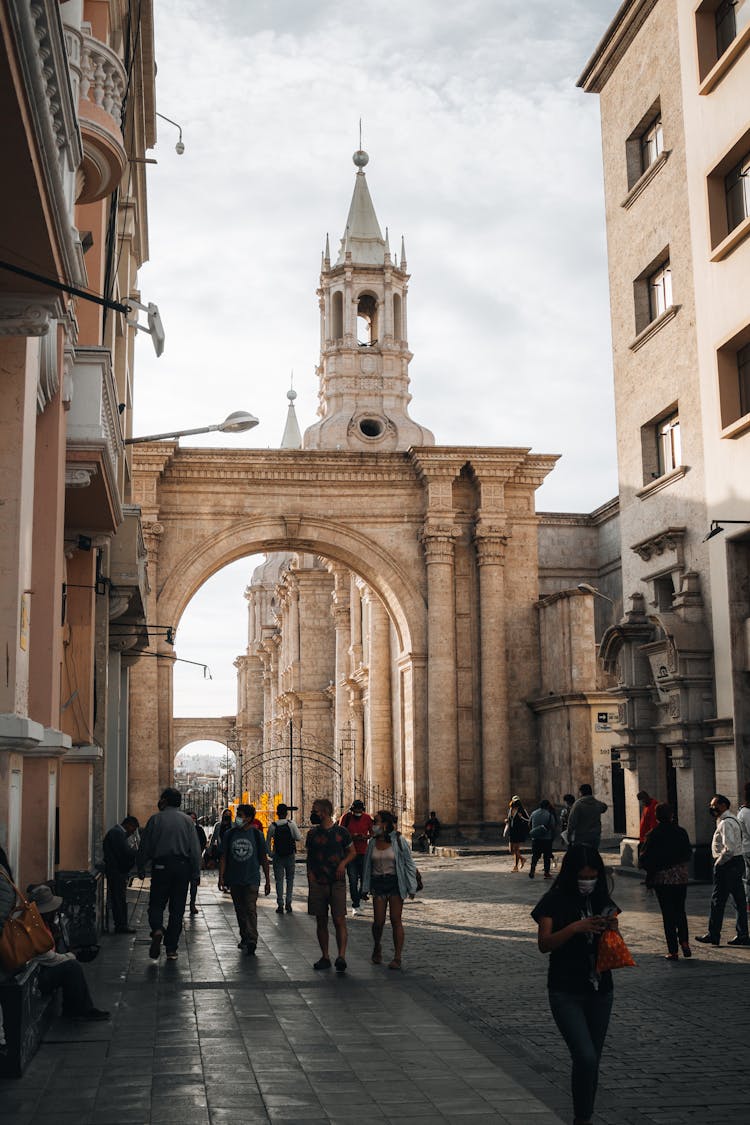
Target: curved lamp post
235, 423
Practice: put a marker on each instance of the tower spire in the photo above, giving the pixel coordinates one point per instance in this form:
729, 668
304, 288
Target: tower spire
292, 438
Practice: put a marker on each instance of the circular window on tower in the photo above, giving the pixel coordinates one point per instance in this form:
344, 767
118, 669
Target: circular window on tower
371, 427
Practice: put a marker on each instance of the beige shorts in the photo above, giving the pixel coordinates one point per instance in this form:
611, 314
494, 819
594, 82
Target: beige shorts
321, 896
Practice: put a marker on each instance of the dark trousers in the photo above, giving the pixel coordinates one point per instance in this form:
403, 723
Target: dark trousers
170, 879
245, 901
728, 881
583, 1020
541, 848
68, 976
672, 903
194, 884
117, 885
354, 873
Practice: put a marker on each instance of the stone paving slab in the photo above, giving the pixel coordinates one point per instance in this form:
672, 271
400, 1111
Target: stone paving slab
463, 1034
219, 1036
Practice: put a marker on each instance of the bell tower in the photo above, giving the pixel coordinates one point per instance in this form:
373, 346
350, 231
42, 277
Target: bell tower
363, 396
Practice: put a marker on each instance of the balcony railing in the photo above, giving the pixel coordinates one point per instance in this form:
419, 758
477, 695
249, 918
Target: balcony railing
94, 438
100, 105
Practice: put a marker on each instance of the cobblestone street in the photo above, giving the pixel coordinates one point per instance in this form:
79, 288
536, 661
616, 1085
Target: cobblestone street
463, 1034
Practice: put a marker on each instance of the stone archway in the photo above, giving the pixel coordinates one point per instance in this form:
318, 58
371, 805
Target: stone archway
454, 567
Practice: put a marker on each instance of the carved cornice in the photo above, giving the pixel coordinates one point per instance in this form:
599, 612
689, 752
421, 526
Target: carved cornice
670, 539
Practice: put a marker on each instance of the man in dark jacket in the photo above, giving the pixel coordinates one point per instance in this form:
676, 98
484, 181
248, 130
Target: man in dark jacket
171, 843
585, 820
119, 860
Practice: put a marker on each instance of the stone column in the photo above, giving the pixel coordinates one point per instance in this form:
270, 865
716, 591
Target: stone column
144, 711
379, 717
442, 735
342, 626
490, 544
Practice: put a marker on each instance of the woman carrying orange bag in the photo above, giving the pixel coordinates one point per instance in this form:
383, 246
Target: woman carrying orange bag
571, 917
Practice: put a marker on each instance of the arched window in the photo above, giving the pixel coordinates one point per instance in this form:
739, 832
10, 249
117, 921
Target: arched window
396, 317
338, 315
367, 320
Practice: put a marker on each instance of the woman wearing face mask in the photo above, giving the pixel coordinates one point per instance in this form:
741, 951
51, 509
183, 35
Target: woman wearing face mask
571, 916
389, 876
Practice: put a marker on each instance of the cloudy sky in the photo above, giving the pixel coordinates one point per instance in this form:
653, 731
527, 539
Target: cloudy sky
483, 154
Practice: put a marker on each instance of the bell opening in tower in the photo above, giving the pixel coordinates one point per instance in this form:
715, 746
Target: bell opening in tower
367, 320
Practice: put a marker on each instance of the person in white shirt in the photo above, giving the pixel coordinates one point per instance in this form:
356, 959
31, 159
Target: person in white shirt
743, 815
729, 868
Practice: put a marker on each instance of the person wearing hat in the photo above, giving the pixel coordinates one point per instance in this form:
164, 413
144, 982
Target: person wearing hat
359, 826
170, 842
61, 969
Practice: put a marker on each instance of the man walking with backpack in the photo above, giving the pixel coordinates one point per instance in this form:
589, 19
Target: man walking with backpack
282, 838
543, 823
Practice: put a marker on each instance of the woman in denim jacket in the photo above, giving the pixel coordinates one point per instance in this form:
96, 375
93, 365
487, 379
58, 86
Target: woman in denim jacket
389, 876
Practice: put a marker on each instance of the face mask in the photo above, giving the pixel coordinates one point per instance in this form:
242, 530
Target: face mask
239, 822
586, 886
314, 818
377, 829
715, 812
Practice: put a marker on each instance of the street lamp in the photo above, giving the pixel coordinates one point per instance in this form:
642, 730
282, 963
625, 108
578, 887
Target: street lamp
585, 588
235, 423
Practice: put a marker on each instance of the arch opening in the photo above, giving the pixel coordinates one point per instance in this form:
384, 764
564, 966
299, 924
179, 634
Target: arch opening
367, 320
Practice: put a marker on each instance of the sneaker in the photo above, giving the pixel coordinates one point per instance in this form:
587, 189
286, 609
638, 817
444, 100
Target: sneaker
339, 965
323, 963
289, 908
355, 911
193, 908
741, 939
279, 909
250, 950
706, 939
155, 948
172, 955
365, 898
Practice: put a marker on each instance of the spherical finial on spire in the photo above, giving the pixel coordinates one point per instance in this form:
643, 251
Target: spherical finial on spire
291, 394
360, 158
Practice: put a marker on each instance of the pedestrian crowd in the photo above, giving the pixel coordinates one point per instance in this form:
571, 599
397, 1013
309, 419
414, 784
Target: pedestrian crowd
577, 918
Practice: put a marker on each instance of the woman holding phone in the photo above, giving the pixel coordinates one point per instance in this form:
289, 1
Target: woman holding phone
573, 914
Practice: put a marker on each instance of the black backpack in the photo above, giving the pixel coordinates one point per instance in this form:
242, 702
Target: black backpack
283, 841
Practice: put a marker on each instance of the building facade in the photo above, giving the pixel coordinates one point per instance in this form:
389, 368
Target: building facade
78, 113
673, 80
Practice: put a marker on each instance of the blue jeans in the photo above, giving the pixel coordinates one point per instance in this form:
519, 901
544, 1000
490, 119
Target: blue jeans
355, 871
582, 1019
283, 868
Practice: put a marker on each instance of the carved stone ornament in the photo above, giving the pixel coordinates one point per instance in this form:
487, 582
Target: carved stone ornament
438, 543
671, 539
622, 714
491, 543
49, 377
79, 476
27, 316
674, 707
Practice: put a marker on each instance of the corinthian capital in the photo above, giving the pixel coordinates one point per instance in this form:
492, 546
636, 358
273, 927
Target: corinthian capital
438, 540
490, 544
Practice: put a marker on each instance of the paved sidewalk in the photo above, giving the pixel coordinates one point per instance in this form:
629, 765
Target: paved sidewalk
218, 1037
463, 1034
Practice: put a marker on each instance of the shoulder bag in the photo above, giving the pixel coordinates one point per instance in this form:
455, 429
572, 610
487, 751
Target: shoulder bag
24, 934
